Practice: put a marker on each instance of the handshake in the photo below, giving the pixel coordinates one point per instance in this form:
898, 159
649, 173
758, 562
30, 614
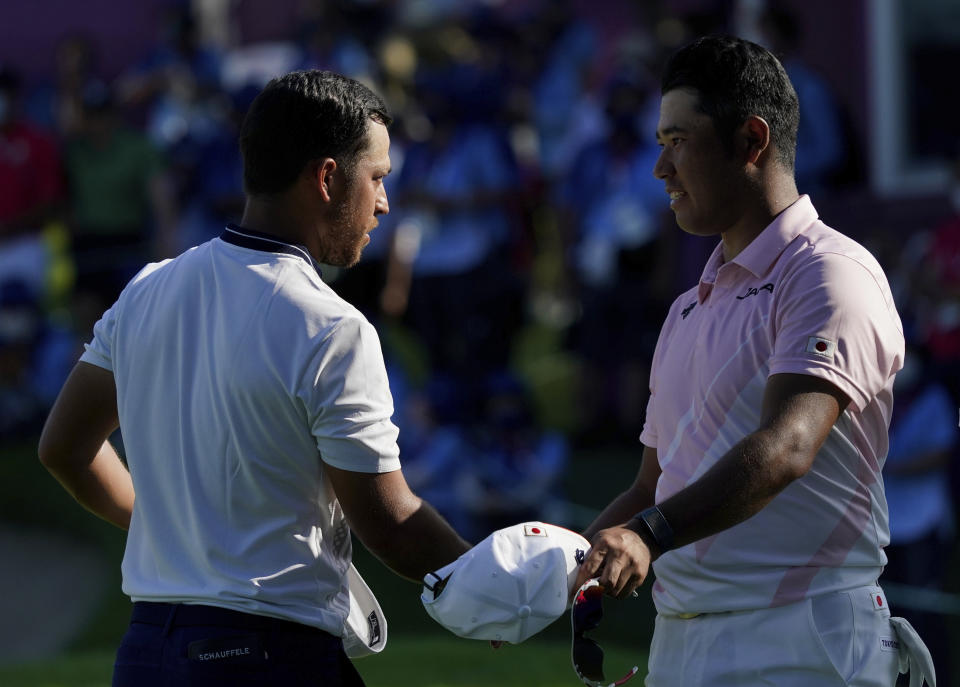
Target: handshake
516, 582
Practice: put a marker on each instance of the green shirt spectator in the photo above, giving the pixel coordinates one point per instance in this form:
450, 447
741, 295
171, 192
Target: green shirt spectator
110, 180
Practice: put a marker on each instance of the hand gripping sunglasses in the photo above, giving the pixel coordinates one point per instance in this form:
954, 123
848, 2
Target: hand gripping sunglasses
585, 615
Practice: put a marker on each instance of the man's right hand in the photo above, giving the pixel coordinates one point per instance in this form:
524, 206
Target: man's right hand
619, 558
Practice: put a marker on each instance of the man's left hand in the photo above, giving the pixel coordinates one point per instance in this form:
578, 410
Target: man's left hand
619, 559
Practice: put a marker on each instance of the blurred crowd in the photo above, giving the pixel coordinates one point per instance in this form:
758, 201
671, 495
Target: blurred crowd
521, 278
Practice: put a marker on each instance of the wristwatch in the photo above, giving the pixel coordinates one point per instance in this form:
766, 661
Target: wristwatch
654, 524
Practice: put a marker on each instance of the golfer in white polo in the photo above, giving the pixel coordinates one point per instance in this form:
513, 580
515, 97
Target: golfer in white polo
255, 414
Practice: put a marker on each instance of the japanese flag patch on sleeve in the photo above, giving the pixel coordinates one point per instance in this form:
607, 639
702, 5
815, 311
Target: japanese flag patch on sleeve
825, 348
534, 530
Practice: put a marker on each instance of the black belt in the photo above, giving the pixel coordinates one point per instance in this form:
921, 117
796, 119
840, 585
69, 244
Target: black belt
186, 615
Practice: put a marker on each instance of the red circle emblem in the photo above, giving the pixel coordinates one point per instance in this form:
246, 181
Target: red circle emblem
535, 530
821, 346
879, 600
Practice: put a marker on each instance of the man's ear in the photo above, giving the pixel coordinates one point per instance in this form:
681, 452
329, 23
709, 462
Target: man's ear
322, 173
753, 138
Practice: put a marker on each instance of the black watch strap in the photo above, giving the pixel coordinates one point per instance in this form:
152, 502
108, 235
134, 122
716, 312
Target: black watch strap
657, 527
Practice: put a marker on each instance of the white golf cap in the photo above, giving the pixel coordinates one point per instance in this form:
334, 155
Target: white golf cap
509, 586
365, 630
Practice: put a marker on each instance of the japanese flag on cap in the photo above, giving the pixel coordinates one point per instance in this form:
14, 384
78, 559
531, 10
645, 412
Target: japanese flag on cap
365, 629
509, 586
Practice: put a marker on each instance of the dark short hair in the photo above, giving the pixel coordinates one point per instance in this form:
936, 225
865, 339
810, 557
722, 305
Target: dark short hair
304, 116
734, 79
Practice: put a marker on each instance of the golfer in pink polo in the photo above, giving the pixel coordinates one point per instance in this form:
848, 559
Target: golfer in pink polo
759, 499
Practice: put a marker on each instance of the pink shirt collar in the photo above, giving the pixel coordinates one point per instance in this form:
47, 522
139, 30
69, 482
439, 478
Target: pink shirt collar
758, 257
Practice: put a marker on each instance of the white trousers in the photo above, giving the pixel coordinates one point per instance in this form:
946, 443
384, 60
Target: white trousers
842, 639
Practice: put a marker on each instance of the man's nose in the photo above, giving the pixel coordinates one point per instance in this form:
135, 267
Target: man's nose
662, 168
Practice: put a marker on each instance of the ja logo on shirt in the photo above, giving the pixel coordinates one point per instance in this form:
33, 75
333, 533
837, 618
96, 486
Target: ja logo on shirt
754, 291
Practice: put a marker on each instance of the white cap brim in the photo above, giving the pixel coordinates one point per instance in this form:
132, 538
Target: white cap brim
365, 630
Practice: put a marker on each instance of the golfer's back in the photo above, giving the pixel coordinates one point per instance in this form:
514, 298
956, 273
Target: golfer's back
233, 367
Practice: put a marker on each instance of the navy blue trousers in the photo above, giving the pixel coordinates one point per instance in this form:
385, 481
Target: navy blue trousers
177, 645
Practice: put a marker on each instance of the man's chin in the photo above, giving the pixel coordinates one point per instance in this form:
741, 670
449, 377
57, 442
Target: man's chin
347, 261
343, 260
695, 228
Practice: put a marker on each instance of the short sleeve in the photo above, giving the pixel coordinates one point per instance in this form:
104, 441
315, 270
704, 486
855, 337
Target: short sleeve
100, 350
648, 436
348, 401
835, 319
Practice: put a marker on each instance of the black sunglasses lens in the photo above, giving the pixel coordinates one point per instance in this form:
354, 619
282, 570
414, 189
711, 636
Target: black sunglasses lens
587, 609
588, 659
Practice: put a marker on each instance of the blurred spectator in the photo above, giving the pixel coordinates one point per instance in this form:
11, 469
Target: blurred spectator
436, 456
939, 284
208, 170
565, 111
122, 206
822, 144
333, 37
188, 117
31, 189
176, 91
923, 441
35, 358
57, 105
614, 209
479, 453
455, 219
20, 325
337, 35
516, 469
177, 68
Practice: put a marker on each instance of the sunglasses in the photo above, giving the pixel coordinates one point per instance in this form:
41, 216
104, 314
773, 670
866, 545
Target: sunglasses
587, 655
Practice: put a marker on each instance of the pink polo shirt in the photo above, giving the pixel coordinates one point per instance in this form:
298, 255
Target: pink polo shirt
801, 298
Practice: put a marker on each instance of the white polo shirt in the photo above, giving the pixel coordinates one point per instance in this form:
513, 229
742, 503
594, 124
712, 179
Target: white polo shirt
805, 299
238, 371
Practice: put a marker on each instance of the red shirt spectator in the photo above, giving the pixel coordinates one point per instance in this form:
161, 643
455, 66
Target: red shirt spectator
31, 178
